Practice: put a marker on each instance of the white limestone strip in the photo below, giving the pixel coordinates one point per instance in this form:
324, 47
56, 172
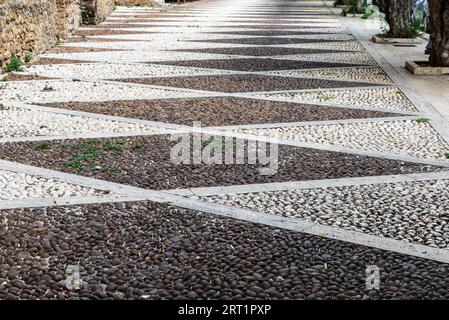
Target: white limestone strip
293, 224
63, 201
312, 123
94, 71
308, 184
47, 91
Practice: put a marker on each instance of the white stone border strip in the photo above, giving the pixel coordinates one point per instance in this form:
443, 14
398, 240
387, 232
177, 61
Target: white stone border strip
308, 184
312, 123
47, 202
178, 129
292, 224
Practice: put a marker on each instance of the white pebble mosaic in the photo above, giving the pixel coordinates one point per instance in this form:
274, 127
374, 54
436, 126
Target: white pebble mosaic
342, 57
95, 71
415, 212
365, 74
67, 91
15, 186
408, 137
23, 122
388, 98
340, 45
135, 56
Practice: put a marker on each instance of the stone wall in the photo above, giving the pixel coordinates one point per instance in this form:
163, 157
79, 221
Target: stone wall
69, 16
26, 25
138, 2
94, 11
36, 25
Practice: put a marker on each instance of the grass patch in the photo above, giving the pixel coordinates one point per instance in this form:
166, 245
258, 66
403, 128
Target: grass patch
14, 64
84, 155
422, 120
43, 146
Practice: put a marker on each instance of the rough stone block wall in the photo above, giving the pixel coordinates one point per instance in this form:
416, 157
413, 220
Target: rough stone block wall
26, 25
137, 2
36, 25
69, 16
94, 11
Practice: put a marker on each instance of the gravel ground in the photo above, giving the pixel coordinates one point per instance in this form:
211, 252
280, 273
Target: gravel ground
385, 98
318, 37
415, 212
136, 56
269, 33
20, 77
313, 28
258, 51
218, 111
244, 83
16, 186
336, 45
254, 64
366, 74
145, 162
45, 61
21, 122
107, 32
264, 41
408, 137
115, 25
66, 91
67, 49
96, 39
194, 256
89, 71
346, 57
148, 46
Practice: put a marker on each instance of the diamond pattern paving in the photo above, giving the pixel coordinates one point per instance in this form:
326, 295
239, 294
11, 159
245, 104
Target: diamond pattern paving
132, 110
244, 83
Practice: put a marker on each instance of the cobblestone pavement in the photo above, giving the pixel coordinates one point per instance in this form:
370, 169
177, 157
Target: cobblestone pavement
307, 169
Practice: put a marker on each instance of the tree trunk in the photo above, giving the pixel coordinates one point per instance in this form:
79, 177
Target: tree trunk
439, 26
399, 17
382, 4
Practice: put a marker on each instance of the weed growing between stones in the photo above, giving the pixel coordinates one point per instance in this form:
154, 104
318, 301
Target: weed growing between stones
14, 64
48, 88
28, 57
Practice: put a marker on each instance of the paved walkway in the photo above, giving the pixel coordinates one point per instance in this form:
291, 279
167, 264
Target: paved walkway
355, 173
